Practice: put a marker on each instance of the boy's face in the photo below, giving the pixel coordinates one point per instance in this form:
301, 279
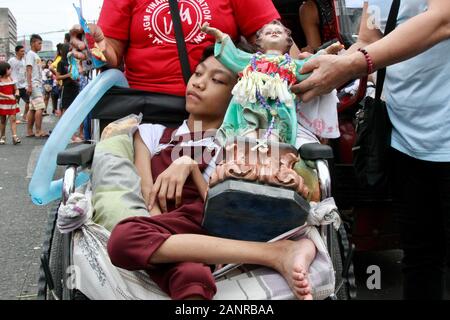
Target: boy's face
36, 45
208, 91
21, 53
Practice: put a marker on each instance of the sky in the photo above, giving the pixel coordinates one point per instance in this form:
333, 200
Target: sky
40, 16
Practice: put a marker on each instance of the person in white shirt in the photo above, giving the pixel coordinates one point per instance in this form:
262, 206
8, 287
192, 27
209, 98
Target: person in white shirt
34, 88
18, 68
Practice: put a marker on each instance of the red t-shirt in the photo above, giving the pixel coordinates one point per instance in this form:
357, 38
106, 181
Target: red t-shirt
151, 60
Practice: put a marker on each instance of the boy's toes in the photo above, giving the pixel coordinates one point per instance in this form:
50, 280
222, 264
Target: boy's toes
301, 284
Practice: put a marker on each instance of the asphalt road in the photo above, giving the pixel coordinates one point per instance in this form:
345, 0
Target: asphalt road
21, 222
22, 226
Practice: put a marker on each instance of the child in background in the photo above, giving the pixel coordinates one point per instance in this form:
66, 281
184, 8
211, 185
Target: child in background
8, 103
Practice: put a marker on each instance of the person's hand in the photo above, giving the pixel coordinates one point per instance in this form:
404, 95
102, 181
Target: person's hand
216, 33
154, 210
11, 97
308, 48
169, 184
328, 72
29, 90
304, 55
76, 34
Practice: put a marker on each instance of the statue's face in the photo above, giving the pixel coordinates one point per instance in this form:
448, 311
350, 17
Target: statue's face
274, 37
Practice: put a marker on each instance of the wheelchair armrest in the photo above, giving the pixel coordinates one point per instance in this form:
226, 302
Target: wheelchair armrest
315, 151
81, 155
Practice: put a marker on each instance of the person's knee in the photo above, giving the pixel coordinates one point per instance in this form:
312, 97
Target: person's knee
131, 244
119, 243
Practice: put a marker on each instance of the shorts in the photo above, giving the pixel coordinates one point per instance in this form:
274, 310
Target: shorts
37, 100
23, 95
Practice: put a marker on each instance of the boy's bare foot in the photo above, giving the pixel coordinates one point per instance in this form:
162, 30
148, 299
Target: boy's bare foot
294, 266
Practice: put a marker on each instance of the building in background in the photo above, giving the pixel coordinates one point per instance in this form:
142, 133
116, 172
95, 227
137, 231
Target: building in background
8, 34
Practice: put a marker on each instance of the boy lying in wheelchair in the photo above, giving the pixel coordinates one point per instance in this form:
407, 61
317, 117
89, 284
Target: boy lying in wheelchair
171, 244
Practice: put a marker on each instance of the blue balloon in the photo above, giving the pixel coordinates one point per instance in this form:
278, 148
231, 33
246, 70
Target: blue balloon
42, 189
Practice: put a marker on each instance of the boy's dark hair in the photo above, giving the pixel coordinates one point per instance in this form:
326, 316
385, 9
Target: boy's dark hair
18, 48
207, 52
4, 66
35, 37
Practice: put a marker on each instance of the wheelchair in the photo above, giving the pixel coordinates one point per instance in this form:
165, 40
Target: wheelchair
56, 269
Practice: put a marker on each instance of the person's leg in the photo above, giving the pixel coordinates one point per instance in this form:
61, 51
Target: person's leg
290, 258
444, 201
38, 122
143, 243
54, 103
30, 122
12, 121
25, 111
133, 240
420, 226
2, 129
38, 103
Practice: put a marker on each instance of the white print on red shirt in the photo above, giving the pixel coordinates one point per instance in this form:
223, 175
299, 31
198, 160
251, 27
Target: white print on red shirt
159, 25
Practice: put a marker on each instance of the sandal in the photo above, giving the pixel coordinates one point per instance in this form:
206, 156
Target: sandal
16, 139
2, 140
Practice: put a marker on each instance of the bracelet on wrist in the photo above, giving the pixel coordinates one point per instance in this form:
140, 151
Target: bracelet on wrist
369, 61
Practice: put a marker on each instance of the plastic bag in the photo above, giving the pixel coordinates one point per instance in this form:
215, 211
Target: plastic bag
126, 125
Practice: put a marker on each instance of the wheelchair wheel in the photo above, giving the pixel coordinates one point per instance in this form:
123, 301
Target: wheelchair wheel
56, 264
344, 282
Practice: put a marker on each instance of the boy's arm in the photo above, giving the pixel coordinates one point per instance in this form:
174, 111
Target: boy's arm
169, 184
197, 176
142, 161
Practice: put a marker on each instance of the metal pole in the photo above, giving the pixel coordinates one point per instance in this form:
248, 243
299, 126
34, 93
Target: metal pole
81, 6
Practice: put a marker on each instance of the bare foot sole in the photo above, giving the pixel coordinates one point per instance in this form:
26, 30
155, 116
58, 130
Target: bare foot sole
295, 265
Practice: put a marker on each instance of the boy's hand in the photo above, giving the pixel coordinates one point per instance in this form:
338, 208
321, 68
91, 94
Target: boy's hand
169, 184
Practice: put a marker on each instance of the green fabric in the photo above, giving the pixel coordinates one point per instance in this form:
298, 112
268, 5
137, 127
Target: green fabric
309, 176
116, 185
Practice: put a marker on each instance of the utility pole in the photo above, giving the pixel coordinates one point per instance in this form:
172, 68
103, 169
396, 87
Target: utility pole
81, 6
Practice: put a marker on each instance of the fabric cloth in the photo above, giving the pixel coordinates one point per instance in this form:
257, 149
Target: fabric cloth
417, 93
24, 95
54, 65
36, 98
70, 88
151, 135
75, 213
151, 59
116, 185
101, 280
8, 107
324, 213
422, 207
327, 17
18, 71
134, 240
32, 59
320, 115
